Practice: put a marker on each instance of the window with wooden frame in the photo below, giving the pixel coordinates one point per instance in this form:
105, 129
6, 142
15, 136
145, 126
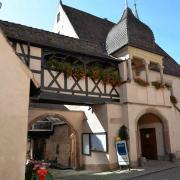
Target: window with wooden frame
86, 144
94, 142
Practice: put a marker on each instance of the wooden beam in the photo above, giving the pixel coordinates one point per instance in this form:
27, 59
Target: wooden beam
70, 99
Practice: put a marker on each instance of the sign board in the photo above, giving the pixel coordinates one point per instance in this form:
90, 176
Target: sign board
122, 153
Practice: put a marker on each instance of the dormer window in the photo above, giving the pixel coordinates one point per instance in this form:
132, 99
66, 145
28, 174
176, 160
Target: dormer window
58, 17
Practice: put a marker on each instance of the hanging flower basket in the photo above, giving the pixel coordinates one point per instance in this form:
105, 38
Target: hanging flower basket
168, 86
115, 79
79, 72
53, 64
94, 72
56, 65
173, 99
111, 76
67, 69
106, 75
141, 82
157, 85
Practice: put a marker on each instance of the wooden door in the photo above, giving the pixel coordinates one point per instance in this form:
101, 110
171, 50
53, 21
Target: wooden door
148, 143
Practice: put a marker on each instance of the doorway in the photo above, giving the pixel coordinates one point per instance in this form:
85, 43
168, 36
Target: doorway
54, 140
149, 143
152, 140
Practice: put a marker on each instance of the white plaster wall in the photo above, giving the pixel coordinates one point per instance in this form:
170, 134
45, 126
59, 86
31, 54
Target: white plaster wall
164, 113
64, 26
173, 80
95, 122
116, 118
147, 95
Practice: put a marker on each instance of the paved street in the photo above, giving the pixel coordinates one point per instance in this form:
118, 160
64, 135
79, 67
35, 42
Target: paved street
152, 171
171, 174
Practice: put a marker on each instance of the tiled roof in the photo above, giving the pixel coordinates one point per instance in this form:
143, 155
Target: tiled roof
84, 22
130, 31
91, 29
87, 26
49, 39
171, 67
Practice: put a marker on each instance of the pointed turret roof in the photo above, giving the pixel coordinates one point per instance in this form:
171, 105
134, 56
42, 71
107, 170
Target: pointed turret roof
130, 31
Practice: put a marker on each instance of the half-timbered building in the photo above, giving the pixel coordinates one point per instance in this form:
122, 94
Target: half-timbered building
91, 77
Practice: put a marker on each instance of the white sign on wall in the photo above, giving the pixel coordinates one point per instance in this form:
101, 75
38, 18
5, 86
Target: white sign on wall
122, 153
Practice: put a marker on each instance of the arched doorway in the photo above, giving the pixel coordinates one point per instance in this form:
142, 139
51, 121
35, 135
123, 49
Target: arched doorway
152, 139
53, 139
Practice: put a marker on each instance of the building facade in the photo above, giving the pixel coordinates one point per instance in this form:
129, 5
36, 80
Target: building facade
91, 77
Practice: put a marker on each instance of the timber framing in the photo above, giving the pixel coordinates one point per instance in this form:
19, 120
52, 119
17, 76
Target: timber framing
61, 90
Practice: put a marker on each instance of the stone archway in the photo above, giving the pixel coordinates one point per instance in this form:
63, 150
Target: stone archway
153, 137
69, 134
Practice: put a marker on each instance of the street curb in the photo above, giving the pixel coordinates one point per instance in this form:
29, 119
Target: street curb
152, 172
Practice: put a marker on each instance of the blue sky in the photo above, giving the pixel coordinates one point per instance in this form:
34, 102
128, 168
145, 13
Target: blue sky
163, 16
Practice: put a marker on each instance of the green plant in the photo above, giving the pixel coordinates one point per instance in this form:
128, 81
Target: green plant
157, 84
29, 171
141, 82
95, 72
79, 72
123, 133
115, 79
173, 99
168, 85
54, 64
67, 69
106, 75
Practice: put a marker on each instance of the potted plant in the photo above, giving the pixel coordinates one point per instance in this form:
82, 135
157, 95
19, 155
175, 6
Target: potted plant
168, 86
173, 99
141, 82
157, 84
123, 133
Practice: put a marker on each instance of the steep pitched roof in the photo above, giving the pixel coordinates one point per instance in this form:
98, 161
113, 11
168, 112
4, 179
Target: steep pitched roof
49, 39
130, 31
88, 26
96, 29
91, 43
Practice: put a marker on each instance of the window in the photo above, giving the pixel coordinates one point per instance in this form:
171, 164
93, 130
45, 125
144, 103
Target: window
86, 144
99, 142
94, 142
58, 17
